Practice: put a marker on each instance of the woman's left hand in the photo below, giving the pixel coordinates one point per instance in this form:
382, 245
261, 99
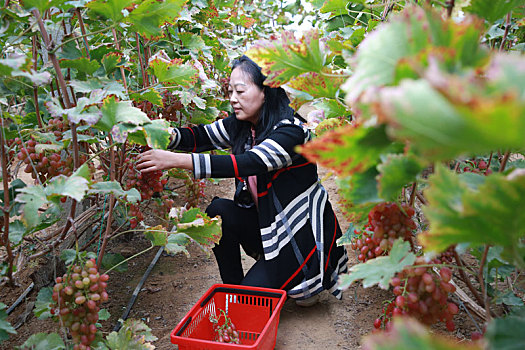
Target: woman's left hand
156, 159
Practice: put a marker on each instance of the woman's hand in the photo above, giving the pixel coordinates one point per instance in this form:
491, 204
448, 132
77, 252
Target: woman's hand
156, 159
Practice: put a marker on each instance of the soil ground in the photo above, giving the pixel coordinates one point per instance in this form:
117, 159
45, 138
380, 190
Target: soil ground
177, 282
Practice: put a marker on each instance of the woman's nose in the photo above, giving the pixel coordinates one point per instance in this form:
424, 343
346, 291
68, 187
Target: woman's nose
233, 97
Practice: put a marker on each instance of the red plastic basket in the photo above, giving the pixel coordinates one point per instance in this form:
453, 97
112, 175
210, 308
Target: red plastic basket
254, 312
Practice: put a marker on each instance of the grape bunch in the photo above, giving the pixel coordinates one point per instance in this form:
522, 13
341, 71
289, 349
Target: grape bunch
421, 293
172, 105
366, 246
45, 165
76, 302
227, 332
386, 223
146, 183
135, 215
477, 166
389, 222
164, 205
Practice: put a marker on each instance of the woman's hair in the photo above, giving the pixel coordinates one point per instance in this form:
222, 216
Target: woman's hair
274, 109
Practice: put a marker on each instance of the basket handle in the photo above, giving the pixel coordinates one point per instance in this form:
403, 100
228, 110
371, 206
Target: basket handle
258, 293
179, 332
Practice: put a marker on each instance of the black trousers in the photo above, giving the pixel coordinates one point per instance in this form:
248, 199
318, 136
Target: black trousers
240, 227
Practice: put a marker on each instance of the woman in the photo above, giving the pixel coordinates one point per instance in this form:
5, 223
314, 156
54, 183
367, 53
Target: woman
280, 215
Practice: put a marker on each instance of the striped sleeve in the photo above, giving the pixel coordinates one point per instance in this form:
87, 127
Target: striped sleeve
218, 135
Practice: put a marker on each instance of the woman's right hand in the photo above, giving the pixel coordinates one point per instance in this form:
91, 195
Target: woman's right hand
156, 159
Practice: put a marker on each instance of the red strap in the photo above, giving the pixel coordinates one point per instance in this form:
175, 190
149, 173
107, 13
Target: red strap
235, 168
331, 245
299, 269
194, 140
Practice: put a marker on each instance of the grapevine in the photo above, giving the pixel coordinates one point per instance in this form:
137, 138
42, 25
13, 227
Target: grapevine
77, 296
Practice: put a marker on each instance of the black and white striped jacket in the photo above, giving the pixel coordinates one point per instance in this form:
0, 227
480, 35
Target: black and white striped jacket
298, 226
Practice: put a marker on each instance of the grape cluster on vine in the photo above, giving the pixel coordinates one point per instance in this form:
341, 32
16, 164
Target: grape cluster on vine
77, 296
172, 105
45, 165
476, 166
386, 223
421, 293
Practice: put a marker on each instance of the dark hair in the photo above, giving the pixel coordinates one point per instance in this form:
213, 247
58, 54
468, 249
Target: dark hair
274, 109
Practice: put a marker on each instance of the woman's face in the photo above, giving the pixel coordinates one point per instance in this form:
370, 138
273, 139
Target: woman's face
245, 97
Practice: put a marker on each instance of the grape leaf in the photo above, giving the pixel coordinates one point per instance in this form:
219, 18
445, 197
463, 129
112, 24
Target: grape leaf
150, 15
42, 5
492, 10
201, 228
150, 95
409, 334
347, 237
110, 259
105, 187
335, 7
43, 300
5, 327
415, 34
157, 235
395, 172
331, 108
33, 198
44, 341
286, 57
440, 126
324, 84
177, 243
37, 78
111, 62
7, 65
381, 269
114, 112
133, 335
173, 72
83, 111
507, 333
349, 149
104, 86
490, 214
157, 134
111, 9
82, 65
16, 232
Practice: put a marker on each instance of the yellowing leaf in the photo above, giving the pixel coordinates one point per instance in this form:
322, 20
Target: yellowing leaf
285, 57
150, 15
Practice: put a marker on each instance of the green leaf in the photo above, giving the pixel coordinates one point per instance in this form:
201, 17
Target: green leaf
109, 260
107, 87
348, 236
490, 214
150, 95
381, 269
14, 186
157, 235
349, 149
111, 9
73, 186
5, 327
397, 171
33, 198
410, 37
173, 72
104, 315
85, 110
37, 78
509, 298
82, 65
442, 127
201, 228
192, 41
286, 57
507, 333
150, 15
177, 243
106, 187
133, 335
114, 112
44, 341
492, 10
157, 134
42, 5
16, 232
42, 304
331, 108
10, 64
69, 256
335, 7
111, 62
360, 188
318, 85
